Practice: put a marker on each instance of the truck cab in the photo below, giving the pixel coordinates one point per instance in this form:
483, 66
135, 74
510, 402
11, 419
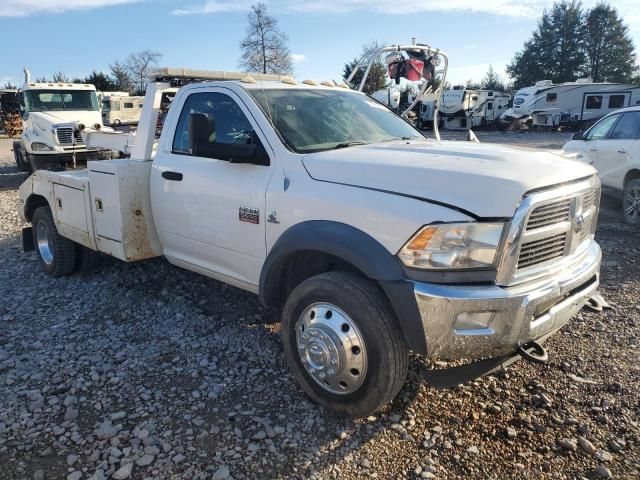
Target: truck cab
371, 239
51, 115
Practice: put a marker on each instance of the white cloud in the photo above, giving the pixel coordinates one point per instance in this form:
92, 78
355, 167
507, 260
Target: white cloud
298, 57
215, 6
21, 8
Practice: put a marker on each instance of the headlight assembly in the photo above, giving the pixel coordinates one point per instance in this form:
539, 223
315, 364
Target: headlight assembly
452, 246
40, 147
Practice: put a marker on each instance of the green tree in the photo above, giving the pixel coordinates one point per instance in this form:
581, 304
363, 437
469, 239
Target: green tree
60, 77
102, 81
377, 79
492, 80
555, 50
608, 46
121, 79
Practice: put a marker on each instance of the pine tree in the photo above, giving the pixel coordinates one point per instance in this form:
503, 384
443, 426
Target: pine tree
492, 80
377, 79
555, 50
608, 46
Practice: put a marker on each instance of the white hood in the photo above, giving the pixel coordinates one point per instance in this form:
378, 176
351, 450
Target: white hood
46, 119
487, 180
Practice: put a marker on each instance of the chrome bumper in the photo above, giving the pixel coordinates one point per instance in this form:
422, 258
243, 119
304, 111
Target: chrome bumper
480, 321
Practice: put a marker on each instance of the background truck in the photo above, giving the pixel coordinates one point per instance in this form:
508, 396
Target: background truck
371, 239
52, 116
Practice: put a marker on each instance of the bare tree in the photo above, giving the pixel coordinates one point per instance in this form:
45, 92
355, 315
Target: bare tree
265, 49
138, 67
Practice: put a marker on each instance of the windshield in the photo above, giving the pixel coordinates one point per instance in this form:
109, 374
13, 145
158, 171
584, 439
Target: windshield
316, 120
58, 100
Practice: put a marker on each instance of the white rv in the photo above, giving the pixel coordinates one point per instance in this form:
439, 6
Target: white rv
462, 109
121, 110
572, 104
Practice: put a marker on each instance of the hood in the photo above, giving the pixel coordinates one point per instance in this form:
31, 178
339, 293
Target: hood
487, 180
46, 119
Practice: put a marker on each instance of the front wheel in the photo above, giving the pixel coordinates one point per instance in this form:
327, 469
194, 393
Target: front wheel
631, 202
343, 344
57, 255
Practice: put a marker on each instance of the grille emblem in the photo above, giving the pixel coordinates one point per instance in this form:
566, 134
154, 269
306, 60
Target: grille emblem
580, 221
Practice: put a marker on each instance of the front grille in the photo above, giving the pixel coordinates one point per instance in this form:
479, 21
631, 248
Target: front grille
549, 214
542, 250
66, 135
558, 227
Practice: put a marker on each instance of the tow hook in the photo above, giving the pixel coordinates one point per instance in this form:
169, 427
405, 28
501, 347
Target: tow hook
596, 303
534, 352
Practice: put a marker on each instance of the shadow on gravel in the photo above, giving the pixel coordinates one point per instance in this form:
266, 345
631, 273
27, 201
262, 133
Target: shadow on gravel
11, 178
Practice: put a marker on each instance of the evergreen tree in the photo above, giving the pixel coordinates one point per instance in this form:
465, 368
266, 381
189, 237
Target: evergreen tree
608, 46
555, 50
102, 81
492, 80
377, 79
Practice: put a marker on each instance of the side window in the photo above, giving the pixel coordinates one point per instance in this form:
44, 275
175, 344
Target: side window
616, 101
594, 102
602, 128
474, 98
128, 105
628, 127
552, 97
227, 122
490, 106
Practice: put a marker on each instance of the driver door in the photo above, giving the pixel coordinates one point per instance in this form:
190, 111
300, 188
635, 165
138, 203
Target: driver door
592, 142
209, 212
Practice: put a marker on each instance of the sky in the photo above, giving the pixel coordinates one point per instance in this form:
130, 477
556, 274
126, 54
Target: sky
78, 36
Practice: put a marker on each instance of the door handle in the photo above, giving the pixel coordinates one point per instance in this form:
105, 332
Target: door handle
175, 176
622, 150
593, 149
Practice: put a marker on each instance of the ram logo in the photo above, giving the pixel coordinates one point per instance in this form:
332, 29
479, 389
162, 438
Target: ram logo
249, 215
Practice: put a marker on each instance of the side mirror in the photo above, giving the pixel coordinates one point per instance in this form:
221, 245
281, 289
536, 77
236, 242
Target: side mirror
578, 136
200, 130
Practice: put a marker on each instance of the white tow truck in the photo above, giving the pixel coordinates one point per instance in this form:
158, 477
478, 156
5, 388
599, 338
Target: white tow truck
372, 239
53, 114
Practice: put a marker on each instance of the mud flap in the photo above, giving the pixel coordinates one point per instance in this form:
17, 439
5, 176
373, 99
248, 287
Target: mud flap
27, 239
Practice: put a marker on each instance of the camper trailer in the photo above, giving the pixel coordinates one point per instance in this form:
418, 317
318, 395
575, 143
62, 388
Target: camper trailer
462, 109
572, 104
121, 110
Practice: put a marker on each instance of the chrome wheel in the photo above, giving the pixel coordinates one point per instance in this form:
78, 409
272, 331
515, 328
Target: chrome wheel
45, 241
631, 204
331, 348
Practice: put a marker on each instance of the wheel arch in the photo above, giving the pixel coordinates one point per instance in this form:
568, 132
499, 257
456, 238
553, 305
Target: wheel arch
632, 174
320, 246
34, 201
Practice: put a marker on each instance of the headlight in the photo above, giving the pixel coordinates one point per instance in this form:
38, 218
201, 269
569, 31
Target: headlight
40, 147
453, 246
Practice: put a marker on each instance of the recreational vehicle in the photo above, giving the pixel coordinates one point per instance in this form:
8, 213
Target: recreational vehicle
572, 104
120, 110
462, 109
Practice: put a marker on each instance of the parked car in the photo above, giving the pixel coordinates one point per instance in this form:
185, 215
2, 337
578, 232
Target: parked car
612, 146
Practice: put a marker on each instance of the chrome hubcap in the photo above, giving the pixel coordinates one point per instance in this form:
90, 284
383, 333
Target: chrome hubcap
331, 348
44, 239
632, 203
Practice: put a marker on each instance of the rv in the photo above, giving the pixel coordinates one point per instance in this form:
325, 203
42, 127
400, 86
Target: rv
462, 109
572, 104
121, 110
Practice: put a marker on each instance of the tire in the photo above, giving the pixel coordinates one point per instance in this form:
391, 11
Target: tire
56, 254
631, 202
20, 156
87, 259
376, 355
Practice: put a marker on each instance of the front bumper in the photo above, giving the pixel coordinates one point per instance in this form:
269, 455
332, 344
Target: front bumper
512, 316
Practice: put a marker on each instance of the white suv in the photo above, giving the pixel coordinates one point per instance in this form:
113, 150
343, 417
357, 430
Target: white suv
612, 145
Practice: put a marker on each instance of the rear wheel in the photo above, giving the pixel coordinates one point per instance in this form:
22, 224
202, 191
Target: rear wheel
87, 259
631, 202
343, 344
57, 255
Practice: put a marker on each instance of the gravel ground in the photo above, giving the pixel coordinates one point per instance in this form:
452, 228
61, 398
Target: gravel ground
150, 371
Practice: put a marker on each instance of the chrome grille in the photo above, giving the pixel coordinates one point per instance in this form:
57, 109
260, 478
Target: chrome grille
545, 215
65, 136
543, 250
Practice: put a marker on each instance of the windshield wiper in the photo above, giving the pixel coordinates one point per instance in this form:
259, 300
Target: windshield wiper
348, 144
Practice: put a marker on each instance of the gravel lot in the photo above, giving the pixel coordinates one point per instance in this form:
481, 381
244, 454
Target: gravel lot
149, 371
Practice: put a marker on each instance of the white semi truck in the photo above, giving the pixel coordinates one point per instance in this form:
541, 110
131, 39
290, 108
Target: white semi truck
52, 116
373, 240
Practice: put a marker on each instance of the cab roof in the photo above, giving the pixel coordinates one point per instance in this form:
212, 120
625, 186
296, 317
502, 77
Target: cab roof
57, 86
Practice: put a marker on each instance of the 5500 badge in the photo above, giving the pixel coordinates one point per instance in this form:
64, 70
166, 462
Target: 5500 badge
249, 215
